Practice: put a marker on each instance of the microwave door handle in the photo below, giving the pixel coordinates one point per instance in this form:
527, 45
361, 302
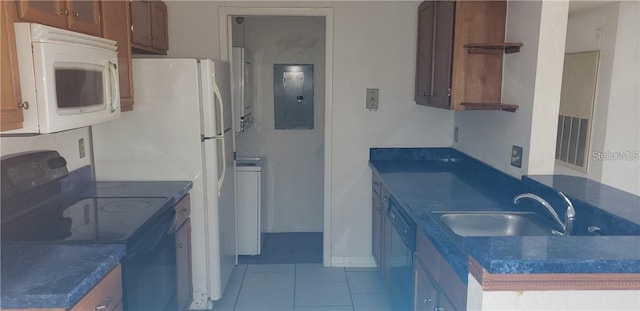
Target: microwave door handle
216, 92
114, 88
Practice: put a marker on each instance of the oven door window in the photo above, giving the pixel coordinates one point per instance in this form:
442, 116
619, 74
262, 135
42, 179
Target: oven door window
79, 88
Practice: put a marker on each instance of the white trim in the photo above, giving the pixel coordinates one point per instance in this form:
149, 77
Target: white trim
361, 262
225, 52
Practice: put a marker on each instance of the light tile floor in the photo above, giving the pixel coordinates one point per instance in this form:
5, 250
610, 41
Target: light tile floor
282, 287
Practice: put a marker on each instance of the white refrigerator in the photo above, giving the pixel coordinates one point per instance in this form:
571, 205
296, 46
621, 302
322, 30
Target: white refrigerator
181, 129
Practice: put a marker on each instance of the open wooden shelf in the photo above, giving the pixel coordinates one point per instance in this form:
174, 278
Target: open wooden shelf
489, 48
489, 106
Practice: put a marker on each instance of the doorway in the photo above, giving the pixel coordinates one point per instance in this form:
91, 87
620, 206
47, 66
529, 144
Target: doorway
297, 161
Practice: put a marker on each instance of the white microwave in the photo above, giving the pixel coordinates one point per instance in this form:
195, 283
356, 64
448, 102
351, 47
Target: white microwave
67, 79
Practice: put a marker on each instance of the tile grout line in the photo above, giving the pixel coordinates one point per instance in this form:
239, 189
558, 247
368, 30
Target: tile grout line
346, 276
295, 283
244, 273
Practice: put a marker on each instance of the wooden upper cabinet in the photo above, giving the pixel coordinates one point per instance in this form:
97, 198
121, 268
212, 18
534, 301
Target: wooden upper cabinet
435, 44
52, 13
84, 16
159, 31
115, 24
450, 74
11, 116
77, 15
149, 21
141, 23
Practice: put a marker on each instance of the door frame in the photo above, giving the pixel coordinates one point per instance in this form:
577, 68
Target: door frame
225, 14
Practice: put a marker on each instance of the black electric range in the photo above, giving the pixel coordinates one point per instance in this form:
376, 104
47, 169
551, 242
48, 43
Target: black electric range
35, 210
98, 220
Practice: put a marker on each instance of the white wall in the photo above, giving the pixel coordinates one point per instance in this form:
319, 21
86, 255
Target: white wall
295, 164
532, 80
582, 35
66, 143
614, 30
374, 47
623, 117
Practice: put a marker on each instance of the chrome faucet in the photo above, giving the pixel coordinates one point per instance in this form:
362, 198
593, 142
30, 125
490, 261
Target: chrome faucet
569, 215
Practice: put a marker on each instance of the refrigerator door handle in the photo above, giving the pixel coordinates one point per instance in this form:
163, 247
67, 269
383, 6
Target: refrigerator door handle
216, 92
224, 165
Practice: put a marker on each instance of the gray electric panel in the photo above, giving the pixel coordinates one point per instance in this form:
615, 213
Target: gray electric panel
293, 96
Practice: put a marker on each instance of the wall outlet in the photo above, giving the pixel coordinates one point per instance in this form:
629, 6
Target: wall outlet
455, 134
372, 99
81, 150
516, 156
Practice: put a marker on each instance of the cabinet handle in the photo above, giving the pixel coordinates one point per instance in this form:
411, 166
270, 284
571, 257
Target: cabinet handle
393, 216
76, 14
180, 245
24, 105
184, 211
427, 300
103, 305
64, 12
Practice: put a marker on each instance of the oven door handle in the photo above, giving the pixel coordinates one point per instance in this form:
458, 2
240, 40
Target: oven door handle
146, 245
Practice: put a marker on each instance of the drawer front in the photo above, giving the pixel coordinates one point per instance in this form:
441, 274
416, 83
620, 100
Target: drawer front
106, 295
183, 210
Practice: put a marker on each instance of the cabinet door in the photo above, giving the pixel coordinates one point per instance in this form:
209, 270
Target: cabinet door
376, 231
84, 16
183, 266
141, 22
446, 304
11, 114
106, 295
424, 61
159, 33
425, 292
52, 13
442, 55
387, 229
116, 20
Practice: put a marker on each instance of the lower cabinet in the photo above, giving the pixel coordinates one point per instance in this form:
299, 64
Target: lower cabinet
106, 295
183, 266
426, 293
184, 294
437, 287
381, 229
376, 225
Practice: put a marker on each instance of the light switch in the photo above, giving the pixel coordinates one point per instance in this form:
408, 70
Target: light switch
372, 99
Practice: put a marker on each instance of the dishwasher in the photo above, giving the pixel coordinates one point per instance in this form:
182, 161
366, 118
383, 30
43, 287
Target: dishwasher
403, 245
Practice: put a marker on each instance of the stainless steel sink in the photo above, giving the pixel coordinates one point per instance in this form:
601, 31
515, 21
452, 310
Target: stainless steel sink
491, 224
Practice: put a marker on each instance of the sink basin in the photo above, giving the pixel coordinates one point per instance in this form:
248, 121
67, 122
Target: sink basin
492, 224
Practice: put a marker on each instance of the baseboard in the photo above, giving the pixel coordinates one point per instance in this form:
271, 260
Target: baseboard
360, 262
293, 229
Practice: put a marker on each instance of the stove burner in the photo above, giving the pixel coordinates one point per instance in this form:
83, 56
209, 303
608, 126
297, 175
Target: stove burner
125, 206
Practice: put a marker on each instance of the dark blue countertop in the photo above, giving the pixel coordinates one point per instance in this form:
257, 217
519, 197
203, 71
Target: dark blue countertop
53, 275
423, 180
